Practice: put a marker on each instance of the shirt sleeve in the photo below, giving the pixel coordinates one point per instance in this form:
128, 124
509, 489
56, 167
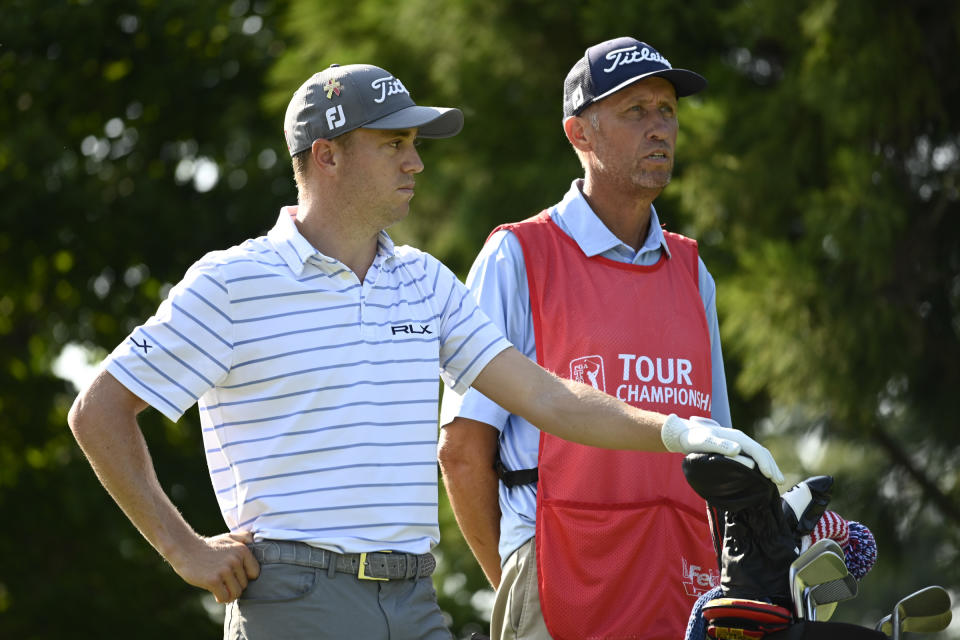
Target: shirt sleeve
720, 407
183, 350
498, 283
468, 340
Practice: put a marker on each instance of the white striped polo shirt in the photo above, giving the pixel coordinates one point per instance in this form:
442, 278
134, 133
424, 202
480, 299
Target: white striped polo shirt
318, 394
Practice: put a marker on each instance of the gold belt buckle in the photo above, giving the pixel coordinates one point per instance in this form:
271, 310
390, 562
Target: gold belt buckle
362, 573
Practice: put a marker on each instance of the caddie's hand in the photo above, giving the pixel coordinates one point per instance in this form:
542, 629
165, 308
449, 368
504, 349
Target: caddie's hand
223, 565
703, 435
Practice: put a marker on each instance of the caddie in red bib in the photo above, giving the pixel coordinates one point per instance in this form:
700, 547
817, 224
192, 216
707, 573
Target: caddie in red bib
619, 530
583, 542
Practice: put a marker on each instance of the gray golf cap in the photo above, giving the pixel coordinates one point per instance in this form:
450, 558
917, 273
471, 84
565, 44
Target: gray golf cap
343, 98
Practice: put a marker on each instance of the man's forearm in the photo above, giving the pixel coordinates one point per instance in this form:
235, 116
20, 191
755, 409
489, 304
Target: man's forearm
119, 456
567, 409
580, 413
467, 450
103, 420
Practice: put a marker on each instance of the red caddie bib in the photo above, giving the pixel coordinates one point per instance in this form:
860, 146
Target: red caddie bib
623, 547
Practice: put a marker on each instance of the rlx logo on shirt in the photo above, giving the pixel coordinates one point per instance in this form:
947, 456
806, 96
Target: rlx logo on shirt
409, 328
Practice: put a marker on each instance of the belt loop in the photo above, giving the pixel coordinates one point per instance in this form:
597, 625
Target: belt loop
332, 567
416, 571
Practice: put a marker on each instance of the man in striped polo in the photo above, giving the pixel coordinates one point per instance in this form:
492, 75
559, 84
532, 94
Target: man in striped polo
313, 353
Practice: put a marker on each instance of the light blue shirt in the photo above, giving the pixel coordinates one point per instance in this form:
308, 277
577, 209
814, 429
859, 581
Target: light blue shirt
498, 280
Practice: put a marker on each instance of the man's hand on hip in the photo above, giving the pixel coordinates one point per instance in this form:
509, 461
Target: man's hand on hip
703, 435
223, 565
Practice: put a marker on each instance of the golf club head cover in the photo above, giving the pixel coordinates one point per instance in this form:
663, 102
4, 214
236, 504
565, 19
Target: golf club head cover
757, 540
724, 483
738, 618
856, 540
831, 525
861, 550
803, 505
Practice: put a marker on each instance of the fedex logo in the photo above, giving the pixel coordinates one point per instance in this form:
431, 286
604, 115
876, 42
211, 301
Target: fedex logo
697, 580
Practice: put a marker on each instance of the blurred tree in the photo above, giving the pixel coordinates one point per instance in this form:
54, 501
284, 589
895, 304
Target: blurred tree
825, 181
133, 142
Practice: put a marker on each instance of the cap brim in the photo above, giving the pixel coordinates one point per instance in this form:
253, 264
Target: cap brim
685, 82
431, 122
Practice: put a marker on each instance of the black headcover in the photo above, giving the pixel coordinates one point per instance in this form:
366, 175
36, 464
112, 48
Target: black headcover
757, 541
725, 483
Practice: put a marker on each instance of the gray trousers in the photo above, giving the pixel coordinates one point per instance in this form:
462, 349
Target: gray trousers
294, 602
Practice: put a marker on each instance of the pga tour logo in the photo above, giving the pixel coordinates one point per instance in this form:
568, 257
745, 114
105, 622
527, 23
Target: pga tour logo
697, 580
589, 370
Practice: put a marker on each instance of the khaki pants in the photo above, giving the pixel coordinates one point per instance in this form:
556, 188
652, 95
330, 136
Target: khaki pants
516, 610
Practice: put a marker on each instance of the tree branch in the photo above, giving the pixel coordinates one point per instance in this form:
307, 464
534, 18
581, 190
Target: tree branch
942, 501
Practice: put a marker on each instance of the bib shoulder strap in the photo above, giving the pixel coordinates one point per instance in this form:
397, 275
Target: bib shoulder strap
685, 249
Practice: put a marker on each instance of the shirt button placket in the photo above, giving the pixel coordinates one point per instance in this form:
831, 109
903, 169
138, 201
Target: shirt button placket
364, 331
367, 324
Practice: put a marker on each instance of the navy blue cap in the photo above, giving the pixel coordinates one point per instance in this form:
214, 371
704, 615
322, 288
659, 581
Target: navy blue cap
610, 66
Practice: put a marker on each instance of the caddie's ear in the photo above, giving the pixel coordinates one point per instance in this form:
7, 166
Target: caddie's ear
578, 131
325, 155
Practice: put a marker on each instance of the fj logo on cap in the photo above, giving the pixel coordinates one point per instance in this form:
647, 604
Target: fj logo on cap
388, 86
577, 98
332, 87
335, 117
630, 55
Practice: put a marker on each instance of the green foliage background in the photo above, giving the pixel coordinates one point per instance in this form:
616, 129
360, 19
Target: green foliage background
819, 172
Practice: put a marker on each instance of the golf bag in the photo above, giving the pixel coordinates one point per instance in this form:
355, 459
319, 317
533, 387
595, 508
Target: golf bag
759, 536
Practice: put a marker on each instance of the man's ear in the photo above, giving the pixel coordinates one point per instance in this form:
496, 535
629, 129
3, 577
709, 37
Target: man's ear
578, 132
325, 155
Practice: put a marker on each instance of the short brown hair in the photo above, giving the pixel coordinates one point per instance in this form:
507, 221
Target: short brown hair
301, 161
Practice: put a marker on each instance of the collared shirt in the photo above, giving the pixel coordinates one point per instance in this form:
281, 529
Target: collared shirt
317, 393
498, 280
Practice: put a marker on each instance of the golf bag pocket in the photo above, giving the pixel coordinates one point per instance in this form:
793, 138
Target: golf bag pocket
736, 618
639, 566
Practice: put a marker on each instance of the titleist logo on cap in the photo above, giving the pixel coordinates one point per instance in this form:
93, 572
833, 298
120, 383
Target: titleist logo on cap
630, 55
388, 86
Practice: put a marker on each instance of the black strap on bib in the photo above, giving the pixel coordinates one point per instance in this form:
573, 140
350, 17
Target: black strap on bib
515, 478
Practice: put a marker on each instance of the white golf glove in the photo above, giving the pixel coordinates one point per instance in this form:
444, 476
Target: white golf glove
703, 435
